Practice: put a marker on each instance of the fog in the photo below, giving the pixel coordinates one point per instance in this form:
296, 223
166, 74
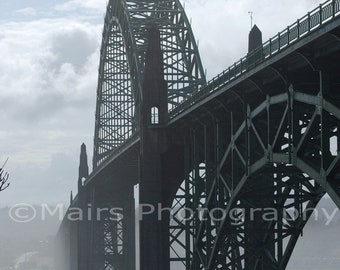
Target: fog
25, 242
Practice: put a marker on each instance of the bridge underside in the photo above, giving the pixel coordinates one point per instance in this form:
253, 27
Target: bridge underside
259, 156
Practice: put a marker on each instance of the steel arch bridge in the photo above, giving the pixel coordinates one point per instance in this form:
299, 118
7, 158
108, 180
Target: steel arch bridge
193, 175
122, 62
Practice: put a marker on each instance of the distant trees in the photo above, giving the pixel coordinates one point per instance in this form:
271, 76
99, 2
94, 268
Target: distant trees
4, 178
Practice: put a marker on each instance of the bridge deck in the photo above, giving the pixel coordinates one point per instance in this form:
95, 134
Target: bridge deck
295, 36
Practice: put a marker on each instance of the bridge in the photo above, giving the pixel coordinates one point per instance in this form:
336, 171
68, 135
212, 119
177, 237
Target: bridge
189, 174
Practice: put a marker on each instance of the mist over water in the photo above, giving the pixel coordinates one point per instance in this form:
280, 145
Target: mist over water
319, 247
27, 245
31, 244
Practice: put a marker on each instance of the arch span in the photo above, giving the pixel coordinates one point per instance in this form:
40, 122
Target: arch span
256, 180
122, 60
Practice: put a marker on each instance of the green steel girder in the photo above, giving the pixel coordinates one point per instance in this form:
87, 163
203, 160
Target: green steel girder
122, 61
284, 155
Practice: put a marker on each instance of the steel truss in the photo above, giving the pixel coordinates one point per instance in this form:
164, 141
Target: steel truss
111, 227
122, 60
256, 177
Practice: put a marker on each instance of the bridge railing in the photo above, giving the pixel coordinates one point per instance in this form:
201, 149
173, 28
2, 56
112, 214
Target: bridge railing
311, 21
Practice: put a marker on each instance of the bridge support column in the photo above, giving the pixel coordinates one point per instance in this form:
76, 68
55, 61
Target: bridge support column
154, 228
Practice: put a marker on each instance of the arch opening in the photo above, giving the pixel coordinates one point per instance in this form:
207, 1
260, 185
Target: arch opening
183, 214
280, 195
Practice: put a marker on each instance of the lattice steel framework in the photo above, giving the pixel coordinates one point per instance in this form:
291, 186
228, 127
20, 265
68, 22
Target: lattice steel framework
122, 60
110, 231
181, 223
255, 180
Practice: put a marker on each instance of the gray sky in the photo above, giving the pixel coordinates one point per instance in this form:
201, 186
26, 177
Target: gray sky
48, 75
